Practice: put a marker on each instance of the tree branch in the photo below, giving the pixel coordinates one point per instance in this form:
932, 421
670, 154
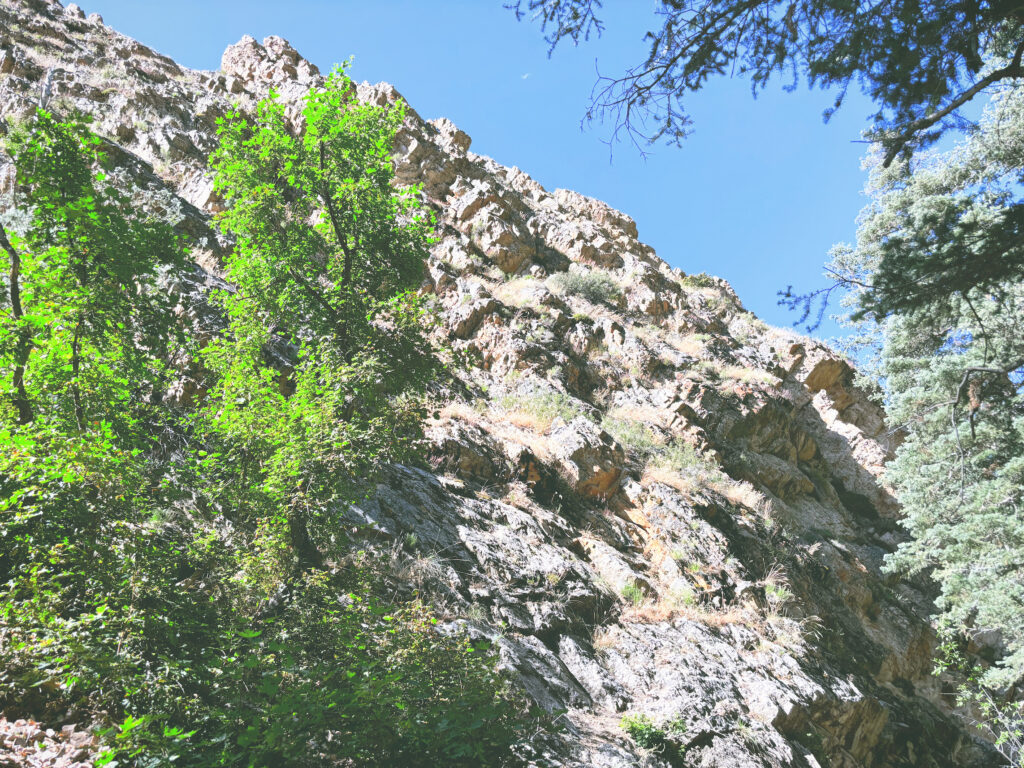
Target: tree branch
346, 267
24, 346
955, 403
1013, 69
76, 356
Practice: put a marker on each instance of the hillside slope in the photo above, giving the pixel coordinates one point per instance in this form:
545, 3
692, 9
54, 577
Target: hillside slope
656, 504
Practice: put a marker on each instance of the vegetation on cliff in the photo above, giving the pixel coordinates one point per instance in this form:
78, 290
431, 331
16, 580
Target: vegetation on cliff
935, 281
177, 568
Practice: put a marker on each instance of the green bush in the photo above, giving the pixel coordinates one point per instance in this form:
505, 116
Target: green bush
595, 286
646, 734
698, 280
179, 574
633, 594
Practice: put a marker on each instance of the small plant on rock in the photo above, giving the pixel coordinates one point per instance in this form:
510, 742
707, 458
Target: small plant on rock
647, 735
594, 286
538, 410
699, 280
643, 731
631, 593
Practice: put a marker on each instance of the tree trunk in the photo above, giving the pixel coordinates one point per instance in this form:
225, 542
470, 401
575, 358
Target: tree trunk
76, 393
23, 348
339, 234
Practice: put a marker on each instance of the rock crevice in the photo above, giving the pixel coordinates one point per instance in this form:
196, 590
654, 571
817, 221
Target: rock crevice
650, 500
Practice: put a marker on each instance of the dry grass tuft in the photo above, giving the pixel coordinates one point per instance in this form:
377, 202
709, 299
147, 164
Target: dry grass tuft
670, 607
537, 411
517, 496
684, 483
419, 569
520, 292
743, 494
605, 638
748, 376
645, 414
463, 411
682, 467
691, 345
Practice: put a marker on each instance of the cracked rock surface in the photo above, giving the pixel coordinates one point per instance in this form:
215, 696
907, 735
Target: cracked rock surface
650, 500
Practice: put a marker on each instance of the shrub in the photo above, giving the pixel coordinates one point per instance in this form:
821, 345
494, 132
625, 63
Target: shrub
698, 280
538, 410
647, 735
364, 682
633, 594
635, 436
595, 286
643, 731
682, 457
682, 467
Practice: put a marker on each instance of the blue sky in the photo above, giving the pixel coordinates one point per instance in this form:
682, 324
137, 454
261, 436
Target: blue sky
757, 195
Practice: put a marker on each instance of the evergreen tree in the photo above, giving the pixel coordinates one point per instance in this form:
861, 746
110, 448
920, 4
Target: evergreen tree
952, 364
918, 61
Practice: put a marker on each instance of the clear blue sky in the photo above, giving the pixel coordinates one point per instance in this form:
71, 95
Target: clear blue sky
757, 195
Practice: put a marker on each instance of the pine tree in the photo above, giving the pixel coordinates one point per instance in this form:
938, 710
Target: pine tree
918, 61
936, 267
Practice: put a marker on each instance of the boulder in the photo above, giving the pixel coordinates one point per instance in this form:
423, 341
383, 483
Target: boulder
588, 457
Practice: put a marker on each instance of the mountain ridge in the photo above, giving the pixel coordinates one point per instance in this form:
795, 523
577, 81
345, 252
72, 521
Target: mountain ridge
652, 502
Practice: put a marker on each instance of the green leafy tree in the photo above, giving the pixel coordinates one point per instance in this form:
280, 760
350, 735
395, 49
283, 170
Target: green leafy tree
83, 340
320, 372
180, 573
318, 381
918, 61
84, 287
84, 335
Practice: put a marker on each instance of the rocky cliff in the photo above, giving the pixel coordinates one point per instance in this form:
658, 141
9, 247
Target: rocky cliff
655, 504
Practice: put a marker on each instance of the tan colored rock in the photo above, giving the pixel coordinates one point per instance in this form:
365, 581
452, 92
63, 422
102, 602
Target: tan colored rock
589, 458
530, 532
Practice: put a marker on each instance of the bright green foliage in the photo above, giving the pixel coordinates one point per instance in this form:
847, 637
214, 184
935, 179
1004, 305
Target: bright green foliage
83, 338
181, 572
952, 363
643, 730
323, 239
918, 61
633, 595
83, 288
326, 253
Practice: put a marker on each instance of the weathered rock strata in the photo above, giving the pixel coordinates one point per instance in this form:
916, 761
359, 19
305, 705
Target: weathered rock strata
653, 502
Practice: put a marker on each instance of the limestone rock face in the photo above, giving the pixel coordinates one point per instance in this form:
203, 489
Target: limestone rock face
651, 501
589, 458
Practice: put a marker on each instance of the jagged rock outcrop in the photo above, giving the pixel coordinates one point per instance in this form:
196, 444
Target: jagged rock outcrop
650, 500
